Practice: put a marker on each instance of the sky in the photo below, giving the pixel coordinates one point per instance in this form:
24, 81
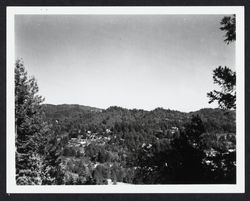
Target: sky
131, 61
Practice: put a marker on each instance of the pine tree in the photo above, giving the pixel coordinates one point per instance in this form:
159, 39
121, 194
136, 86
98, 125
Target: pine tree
224, 76
226, 79
31, 129
228, 24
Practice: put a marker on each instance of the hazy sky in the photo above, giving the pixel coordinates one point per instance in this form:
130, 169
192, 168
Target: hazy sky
129, 61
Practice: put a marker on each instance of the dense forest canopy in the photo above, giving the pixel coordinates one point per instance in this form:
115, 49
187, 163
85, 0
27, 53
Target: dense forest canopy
126, 145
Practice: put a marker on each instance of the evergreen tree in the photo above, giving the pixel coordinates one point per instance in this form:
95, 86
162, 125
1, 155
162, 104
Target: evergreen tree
31, 129
224, 76
226, 79
228, 24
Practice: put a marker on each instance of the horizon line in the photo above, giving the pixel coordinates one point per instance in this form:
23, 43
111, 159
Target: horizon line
148, 110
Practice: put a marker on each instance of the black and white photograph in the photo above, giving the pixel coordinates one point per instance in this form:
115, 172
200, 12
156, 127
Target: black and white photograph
125, 100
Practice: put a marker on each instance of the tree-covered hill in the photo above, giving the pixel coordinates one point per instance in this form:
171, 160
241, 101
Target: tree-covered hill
215, 120
59, 111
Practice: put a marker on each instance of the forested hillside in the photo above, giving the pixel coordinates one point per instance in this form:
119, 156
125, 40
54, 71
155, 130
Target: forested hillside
140, 147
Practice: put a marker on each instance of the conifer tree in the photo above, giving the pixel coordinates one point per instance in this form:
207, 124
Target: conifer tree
224, 76
31, 129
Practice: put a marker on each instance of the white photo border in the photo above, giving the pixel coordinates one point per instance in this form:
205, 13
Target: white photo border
239, 187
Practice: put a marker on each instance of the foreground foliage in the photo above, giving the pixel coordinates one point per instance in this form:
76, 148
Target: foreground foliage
33, 133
